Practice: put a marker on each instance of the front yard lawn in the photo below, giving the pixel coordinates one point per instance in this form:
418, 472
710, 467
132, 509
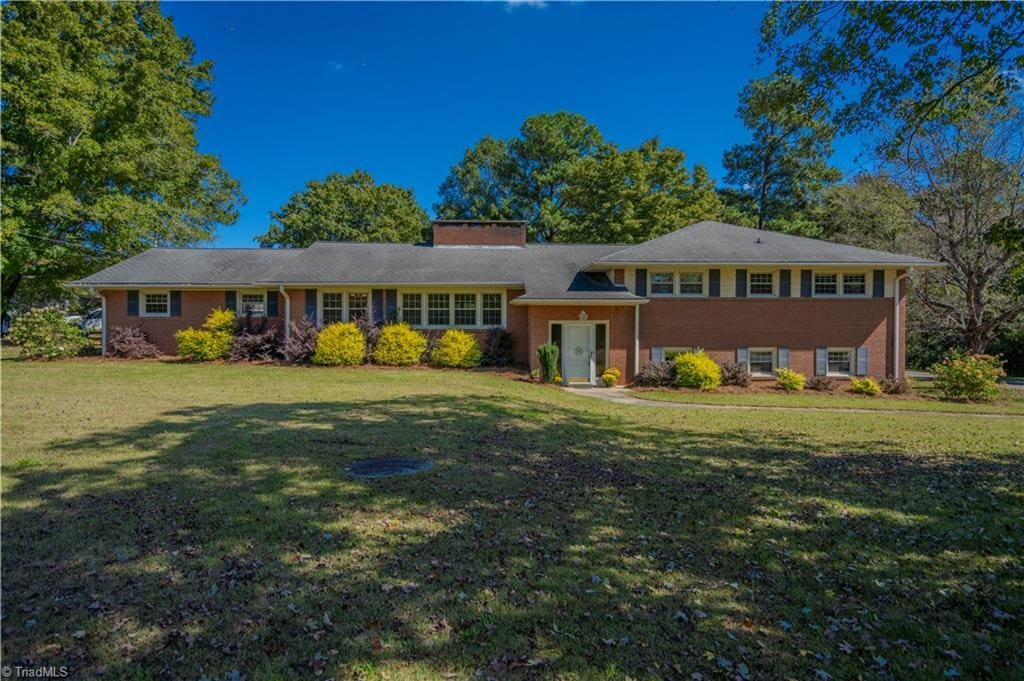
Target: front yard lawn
924, 398
167, 520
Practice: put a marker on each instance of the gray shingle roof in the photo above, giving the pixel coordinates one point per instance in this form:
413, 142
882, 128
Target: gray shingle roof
191, 267
720, 243
546, 271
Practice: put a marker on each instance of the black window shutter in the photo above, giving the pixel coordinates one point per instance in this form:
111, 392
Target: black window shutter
878, 284
231, 300
311, 304
175, 303
378, 305
714, 283
272, 304
805, 283
785, 277
391, 304
741, 283
641, 282
133, 303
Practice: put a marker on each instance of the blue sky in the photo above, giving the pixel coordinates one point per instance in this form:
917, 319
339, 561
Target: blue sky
401, 90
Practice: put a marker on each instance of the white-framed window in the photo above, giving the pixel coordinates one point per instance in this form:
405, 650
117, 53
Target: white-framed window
662, 283
252, 303
492, 309
840, 361
855, 284
691, 283
412, 308
438, 309
761, 361
358, 306
156, 304
333, 309
826, 284
465, 309
761, 283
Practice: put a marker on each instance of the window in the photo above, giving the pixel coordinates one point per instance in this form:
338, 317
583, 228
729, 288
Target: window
761, 360
412, 308
465, 309
358, 306
691, 283
332, 308
855, 284
661, 283
437, 309
826, 284
762, 284
253, 304
156, 304
492, 309
840, 361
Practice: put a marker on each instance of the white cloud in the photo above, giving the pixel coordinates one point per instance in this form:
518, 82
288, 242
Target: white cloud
335, 65
513, 5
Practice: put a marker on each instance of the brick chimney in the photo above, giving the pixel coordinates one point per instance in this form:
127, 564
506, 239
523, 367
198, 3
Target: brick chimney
480, 233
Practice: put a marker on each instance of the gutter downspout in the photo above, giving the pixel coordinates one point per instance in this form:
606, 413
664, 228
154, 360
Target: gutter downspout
636, 340
896, 322
287, 312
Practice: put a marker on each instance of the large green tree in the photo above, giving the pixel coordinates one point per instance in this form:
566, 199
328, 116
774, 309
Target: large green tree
479, 186
967, 177
874, 58
346, 208
637, 194
523, 178
777, 178
100, 160
874, 211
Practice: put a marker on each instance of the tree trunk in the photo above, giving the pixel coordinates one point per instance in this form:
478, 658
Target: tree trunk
8, 286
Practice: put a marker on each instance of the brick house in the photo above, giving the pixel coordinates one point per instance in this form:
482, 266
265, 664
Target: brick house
763, 299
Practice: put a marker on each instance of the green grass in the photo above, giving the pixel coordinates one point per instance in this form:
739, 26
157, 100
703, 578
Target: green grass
176, 520
925, 398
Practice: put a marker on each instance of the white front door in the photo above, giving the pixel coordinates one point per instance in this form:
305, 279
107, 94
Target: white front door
578, 353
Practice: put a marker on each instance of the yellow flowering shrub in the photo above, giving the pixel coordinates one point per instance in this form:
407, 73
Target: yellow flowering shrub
202, 345
220, 321
457, 349
697, 370
399, 345
340, 344
789, 380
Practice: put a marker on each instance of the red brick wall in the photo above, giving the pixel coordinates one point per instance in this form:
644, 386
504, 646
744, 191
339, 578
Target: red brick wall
195, 306
479, 234
720, 326
620, 330
619, 276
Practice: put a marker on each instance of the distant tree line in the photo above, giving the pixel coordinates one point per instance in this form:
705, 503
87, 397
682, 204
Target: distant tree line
100, 157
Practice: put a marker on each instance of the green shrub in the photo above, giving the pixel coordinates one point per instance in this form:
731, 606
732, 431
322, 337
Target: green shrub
202, 345
547, 355
42, 333
457, 349
697, 370
220, 321
398, 345
962, 376
865, 386
340, 344
789, 380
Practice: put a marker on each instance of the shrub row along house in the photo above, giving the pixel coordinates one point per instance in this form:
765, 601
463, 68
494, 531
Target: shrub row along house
763, 299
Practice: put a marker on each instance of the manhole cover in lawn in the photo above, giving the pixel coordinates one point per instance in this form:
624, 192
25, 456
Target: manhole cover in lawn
371, 469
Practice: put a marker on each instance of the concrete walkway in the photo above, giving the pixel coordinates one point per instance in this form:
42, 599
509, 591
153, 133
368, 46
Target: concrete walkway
625, 396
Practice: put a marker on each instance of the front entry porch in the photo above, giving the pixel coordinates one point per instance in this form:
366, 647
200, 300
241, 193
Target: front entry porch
582, 350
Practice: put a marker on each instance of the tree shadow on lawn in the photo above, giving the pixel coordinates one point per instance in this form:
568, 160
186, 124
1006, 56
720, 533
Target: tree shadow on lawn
545, 541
